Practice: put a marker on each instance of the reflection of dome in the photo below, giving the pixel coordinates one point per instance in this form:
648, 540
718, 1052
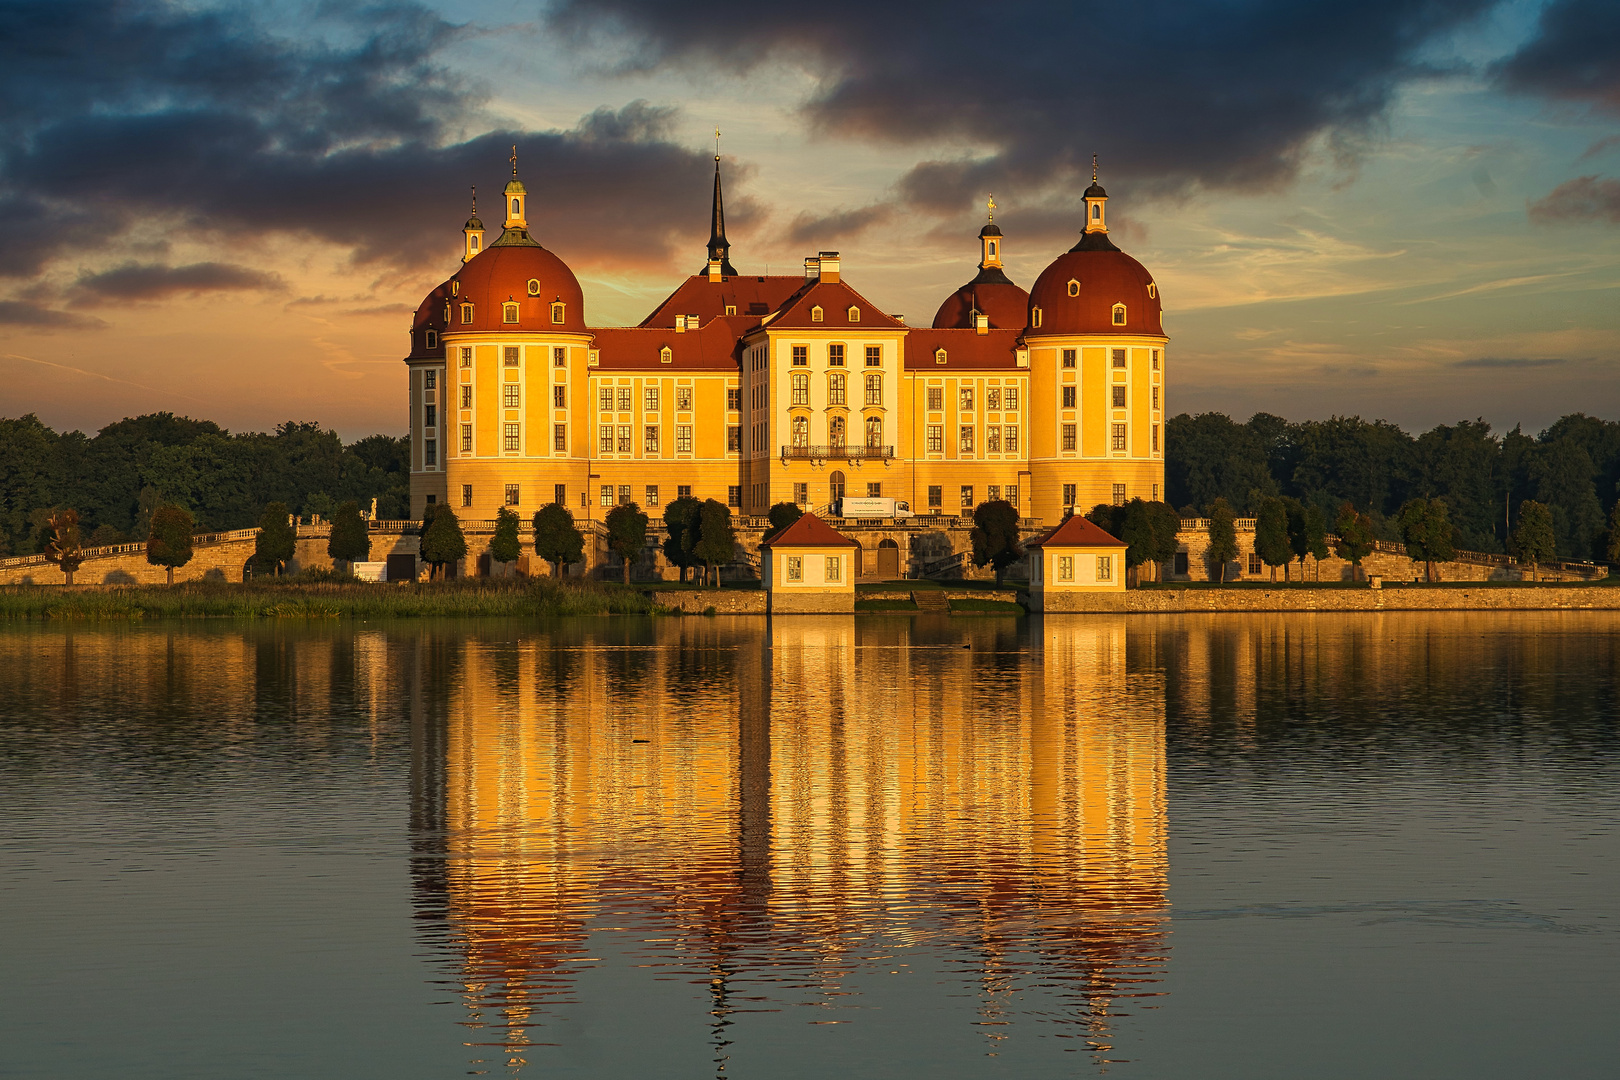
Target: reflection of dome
1103, 276
503, 272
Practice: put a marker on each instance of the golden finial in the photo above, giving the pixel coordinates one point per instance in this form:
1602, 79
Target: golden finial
717, 144
475, 200
513, 160
1093, 168
992, 207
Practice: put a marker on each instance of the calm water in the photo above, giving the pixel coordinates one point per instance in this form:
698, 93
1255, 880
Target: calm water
1380, 845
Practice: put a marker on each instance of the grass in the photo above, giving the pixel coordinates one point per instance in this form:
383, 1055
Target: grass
930, 585
1388, 584
325, 600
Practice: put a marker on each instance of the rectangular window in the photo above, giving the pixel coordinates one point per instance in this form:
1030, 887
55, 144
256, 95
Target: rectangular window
466, 314
683, 491
649, 439
801, 356
936, 397
1012, 494
801, 494
874, 489
1155, 431
624, 399
1068, 436
559, 494
652, 494
936, 495
604, 399
511, 494
734, 398
559, 397
509, 437
964, 440
795, 568
1117, 441
1155, 492
835, 388
967, 496
625, 436
1068, 496
1119, 494
1155, 397
430, 380
683, 439
509, 313
835, 568
801, 389
430, 451
1105, 568
683, 398
466, 358
1119, 358
1065, 568
965, 400
510, 353
1119, 397
607, 495
1155, 359
992, 398
1256, 567
466, 438
604, 439
874, 356
509, 396
559, 357
466, 494
624, 494
1069, 395
1068, 358
649, 399
1012, 397
734, 495
992, 439
1009, 440
936, 438
557, 315
466, 397
993, 493
734, 439
835, 355
874, 389
430, 416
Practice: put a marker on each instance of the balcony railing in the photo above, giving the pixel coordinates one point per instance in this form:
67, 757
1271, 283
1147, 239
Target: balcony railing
846, 452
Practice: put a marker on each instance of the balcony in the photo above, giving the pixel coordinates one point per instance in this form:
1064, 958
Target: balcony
845, 452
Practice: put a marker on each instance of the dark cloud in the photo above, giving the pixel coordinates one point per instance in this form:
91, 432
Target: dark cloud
21, 313
1575, 55
1172, 96
823, 229
114, 112
134, 281
1585, 198
1509, 362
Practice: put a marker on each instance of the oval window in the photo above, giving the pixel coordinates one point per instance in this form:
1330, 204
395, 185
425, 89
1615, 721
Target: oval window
534, 286
1074, 287
1153, 290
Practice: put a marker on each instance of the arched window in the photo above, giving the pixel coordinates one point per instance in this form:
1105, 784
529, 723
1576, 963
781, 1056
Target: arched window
466, 313
1035, 318
835, 388
1096, 211
992, 249
854, 313
874, 389
455, 290
801, 431
534, 286
558, 311
835, 432
1119, 314
801, 389
447, 314
835, 486
1074, 287
1153, 290
432, 340
517, 208
475, 243
509, 313
874, 432
815, 313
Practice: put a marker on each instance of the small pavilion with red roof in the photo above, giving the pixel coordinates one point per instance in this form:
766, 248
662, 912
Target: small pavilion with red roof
1076, 557
808, 567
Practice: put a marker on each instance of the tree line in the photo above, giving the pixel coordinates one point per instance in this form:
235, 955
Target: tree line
117, 479
1483, 480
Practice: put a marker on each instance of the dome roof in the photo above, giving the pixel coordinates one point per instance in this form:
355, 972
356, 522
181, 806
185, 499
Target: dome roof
514, 272
430, 315
992, 293
1106, 276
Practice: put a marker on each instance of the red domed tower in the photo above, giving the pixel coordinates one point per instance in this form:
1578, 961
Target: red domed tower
991, 295
1097, 367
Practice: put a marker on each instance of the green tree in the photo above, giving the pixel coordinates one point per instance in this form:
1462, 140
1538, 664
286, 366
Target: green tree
627, 534
1223, 547
168, 543
277, 541
1208, 456
1534, 541
1138, 527
1426, 528
442, 539
350, 540
556, 538
1355, 537
1271, 541
995, 536
146, 504
1316, 544
504, 546
62, 544
783, 514
1166, 526
1298, 537
682, 528
717, 541
1613, 550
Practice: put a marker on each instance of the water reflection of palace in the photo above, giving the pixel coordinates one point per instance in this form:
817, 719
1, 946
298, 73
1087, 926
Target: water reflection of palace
768, 811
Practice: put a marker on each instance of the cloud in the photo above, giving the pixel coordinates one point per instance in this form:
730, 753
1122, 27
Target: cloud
1575, 55
1509, 362
134, 281
143, 111
1585, 198
1601, 147
813, 229
1174, 97
20, 313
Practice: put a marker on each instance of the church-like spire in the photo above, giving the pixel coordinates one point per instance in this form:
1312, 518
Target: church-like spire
719, 246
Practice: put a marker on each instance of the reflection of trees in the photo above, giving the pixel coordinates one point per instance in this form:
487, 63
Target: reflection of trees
796, 813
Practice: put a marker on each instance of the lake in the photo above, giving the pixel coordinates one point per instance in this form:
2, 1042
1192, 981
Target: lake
941, 847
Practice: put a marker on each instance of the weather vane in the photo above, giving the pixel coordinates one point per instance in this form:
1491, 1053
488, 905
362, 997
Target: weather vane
992, 205
475, 200
513, 160
1093, 168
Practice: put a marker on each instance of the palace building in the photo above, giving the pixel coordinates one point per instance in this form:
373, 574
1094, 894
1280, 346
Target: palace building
756, 389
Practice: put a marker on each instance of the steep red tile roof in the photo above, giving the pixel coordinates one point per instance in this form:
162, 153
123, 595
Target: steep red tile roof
835, 299
808, 531
751, 295
1076, 532
963, 349
713, 347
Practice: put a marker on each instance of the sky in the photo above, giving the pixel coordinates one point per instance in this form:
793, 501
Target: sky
1400, 209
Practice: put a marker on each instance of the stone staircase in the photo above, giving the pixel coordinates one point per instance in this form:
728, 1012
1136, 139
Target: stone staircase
933, 601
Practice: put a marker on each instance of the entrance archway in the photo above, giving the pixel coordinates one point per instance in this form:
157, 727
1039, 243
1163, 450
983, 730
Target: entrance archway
888, 560
835, 487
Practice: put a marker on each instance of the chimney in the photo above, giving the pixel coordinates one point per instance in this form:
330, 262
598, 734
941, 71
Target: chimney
981, 324
714, 269
829, 266
812, 268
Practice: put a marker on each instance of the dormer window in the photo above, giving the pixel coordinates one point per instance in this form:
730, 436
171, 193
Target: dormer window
432, 340
509, 313
854, 314
1119, 314
1074, 287
666, 355
558, 311
1035, 318
731, 309
455, 287
815, 313
939, 356
447, 314
1153, 291
534, 286
466, 314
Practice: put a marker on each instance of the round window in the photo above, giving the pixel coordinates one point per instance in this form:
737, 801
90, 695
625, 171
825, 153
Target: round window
534, 286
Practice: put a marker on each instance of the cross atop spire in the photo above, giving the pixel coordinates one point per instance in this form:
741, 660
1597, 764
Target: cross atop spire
513, 160
719, 246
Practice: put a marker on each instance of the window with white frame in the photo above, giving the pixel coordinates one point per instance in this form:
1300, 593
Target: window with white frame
964, 440
936, 397
992, 398
466, 494
604, 439
835, 568
967, 496
801, 389
649, 399
510, 437
513, 498
466, 438
509, 313
558, 314
1105, 568
795, 567
604, 399
624, 398
559, 438
466, 357
1009, 439
1065, 567
835, 388
466, 397
509, 396
649, 439
992, 439
683, 439
1068, 436
874, 356
835, 355
874, 388
936, 438
965, 399
874, 432
1117, 441
559, 356
509, 356
1011, 398
683, 399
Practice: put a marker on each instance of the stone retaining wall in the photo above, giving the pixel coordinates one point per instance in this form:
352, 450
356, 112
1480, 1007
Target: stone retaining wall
724, 601
1413, 598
